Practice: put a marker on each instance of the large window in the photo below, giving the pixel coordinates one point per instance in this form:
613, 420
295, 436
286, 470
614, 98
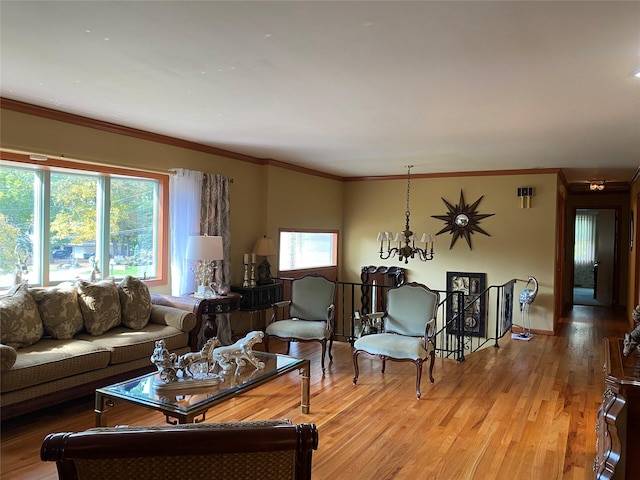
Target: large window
69, 221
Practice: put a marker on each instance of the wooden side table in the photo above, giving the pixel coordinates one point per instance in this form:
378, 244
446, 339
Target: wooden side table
205, 310
259, 298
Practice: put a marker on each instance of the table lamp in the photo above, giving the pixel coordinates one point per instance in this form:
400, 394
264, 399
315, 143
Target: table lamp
264, 247
205, 250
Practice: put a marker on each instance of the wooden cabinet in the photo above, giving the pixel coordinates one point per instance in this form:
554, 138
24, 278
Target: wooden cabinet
260, 297
618, 425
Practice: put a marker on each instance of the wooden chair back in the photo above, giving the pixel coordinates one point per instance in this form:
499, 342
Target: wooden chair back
259, 450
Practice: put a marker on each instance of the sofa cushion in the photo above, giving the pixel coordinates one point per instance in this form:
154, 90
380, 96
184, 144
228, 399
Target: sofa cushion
135, 302
100, 305
126, 344
50, 360
8, 357
20, 322
59, 310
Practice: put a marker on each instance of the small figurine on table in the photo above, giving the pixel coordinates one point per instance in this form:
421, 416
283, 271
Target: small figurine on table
632, 340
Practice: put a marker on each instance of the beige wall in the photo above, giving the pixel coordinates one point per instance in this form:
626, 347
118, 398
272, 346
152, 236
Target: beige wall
521, 241
295, 200
263, 198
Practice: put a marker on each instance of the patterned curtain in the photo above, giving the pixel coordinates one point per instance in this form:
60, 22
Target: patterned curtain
214, 220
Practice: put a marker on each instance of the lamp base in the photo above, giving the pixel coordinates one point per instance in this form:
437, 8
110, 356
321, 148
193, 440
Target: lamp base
204, 291
264, 273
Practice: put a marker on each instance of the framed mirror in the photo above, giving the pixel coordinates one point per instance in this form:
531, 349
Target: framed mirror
375, 280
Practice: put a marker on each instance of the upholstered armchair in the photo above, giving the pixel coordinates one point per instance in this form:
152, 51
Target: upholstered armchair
404, 332
268, 449
311, 314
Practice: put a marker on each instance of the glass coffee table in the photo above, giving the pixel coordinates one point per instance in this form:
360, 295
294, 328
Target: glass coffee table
186, 405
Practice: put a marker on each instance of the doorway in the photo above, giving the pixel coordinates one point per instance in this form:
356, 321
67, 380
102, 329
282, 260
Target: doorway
594, 257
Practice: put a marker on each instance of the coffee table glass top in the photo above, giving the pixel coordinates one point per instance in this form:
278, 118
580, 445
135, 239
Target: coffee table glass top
142, 389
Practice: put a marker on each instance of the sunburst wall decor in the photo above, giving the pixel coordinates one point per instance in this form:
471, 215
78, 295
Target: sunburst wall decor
462, 220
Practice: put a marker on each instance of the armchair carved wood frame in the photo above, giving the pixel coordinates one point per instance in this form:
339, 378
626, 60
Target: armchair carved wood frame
406, 332
311, 315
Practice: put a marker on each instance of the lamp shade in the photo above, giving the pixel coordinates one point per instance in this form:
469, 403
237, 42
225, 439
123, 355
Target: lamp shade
204, 247
264, 247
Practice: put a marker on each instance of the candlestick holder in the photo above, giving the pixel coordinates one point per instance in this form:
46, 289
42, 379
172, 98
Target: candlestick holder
252, 260
246, 261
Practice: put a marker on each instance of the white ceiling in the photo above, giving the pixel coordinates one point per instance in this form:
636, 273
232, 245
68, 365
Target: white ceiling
347, 87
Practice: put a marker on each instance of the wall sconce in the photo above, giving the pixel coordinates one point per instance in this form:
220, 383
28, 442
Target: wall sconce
596, 185
525, 194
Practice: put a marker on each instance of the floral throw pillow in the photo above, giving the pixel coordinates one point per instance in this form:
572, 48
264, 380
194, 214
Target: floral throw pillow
100, 305
59, 310
135, 302
20, 322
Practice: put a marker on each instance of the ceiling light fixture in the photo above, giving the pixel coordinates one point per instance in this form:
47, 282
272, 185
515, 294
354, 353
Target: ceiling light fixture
409, 250
596, 185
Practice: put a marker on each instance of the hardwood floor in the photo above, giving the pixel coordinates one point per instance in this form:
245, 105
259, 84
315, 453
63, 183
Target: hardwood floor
524, 411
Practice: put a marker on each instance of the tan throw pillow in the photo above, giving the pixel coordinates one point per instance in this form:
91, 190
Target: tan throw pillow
100, 305
59, 310
135, 302
20, 323
8, 357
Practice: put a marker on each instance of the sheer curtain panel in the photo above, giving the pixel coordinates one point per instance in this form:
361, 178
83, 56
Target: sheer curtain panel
185, 188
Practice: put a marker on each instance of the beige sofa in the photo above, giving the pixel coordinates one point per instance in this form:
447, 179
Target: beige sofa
62, 342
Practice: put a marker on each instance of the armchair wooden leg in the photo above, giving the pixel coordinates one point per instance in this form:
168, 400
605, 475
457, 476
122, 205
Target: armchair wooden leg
330, 348
324, 349
355, 367
433, 357
384, 364
418, 377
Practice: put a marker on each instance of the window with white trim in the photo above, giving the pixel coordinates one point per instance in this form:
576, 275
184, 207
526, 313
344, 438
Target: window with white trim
66, 222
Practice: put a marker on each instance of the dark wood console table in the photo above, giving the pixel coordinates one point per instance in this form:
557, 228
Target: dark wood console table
205, 310
259, 298
618, 425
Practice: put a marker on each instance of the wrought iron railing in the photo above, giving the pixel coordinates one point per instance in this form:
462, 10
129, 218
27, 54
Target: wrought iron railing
456, 336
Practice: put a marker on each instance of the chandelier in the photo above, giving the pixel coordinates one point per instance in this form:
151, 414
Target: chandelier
409, 249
